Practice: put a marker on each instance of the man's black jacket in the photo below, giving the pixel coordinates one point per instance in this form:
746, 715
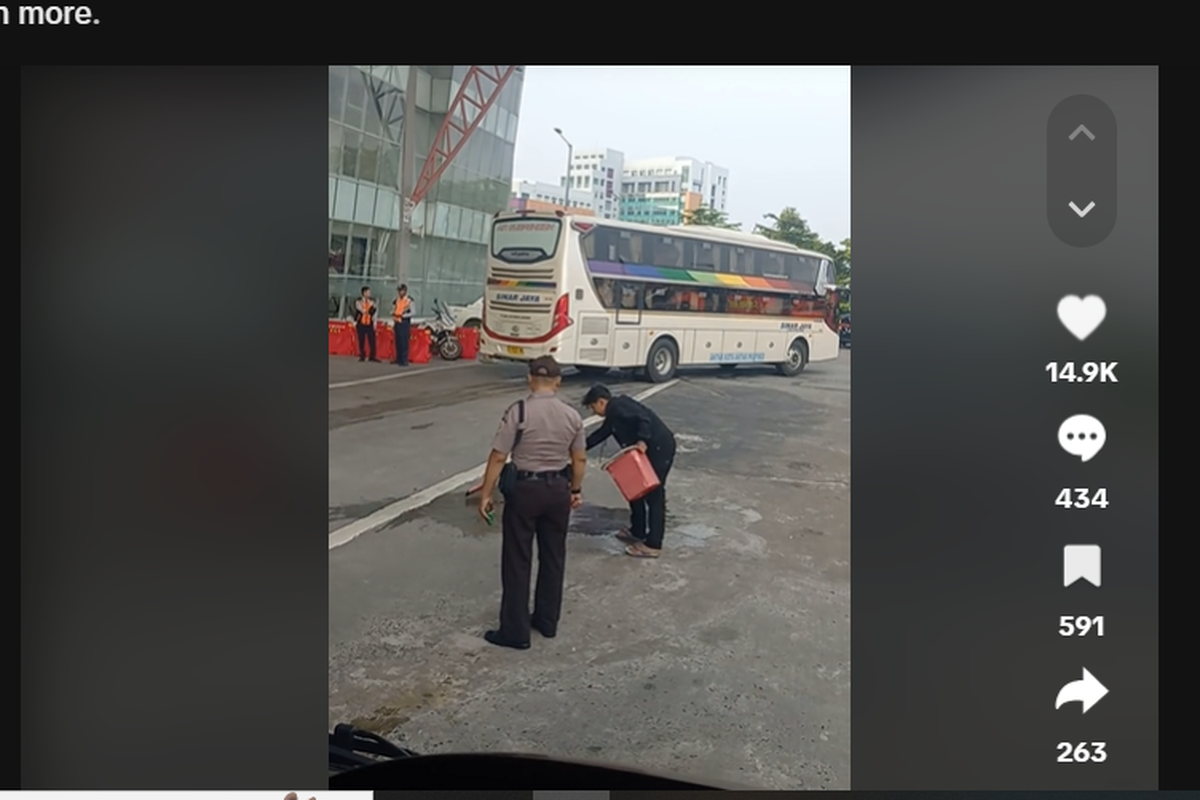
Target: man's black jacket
630, 422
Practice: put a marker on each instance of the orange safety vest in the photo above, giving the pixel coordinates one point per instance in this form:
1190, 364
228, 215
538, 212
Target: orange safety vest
402, 309
366, 312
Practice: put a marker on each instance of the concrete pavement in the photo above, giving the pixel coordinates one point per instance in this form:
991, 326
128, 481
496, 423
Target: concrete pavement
728, 659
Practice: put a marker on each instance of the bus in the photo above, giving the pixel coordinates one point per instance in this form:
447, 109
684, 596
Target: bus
601, 294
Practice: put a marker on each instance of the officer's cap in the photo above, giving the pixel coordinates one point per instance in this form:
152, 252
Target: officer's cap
545, 367
597, 392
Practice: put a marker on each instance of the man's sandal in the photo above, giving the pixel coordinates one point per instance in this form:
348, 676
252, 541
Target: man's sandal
628, 538
641, 551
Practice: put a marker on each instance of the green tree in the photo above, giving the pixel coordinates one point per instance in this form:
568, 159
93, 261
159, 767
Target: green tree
788, 226
710, 217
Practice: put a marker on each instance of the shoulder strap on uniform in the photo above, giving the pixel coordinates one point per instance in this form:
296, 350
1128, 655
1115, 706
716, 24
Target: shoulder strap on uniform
520, 422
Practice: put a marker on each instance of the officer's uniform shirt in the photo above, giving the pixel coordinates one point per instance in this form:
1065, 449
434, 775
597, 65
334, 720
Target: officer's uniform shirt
553, 430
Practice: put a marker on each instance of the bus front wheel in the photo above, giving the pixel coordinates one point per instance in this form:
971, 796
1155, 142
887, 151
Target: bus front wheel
797, 359
662, 361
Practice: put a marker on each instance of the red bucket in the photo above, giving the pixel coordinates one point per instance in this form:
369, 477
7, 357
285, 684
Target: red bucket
632, 472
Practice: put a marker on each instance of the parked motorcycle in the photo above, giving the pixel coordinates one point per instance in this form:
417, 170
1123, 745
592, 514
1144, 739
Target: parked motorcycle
441, 333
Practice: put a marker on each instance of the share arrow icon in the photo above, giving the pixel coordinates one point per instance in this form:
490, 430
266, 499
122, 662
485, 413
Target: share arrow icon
1087, 691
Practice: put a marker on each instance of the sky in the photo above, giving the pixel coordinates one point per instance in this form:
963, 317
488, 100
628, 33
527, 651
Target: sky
782, 132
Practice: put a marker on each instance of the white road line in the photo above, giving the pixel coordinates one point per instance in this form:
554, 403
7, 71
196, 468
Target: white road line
405, 374
427, 495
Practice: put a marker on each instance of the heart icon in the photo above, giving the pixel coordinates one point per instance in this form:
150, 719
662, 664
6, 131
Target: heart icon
1081, 315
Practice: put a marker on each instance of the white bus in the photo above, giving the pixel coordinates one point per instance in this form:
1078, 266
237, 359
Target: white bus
602, 294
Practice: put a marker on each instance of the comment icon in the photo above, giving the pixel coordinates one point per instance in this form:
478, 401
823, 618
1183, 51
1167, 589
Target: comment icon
1082, 436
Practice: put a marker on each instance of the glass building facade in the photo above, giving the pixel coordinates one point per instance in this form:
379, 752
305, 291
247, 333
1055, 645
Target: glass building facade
446, 254
653, 209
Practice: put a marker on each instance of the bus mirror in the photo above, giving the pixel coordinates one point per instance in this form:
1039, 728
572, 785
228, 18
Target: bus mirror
824, 278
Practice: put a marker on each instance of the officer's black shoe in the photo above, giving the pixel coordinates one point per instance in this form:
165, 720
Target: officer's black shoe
493, 637
545, 630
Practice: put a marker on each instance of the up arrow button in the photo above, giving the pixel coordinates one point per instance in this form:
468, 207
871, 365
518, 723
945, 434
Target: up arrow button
1081, 163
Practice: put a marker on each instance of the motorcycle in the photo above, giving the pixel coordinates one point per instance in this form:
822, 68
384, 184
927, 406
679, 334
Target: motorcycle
441, 333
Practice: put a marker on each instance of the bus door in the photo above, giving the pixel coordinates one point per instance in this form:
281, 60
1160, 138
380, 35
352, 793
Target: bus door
627, 343
630, 299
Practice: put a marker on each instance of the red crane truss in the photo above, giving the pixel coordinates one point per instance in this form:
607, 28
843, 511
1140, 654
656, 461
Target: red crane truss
480, 88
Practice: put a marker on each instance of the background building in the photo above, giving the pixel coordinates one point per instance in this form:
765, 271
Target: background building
659, 191
446, 254
536, 196
596, 177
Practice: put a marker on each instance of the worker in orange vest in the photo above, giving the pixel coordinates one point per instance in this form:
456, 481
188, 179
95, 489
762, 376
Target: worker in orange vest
402, 317
364, 319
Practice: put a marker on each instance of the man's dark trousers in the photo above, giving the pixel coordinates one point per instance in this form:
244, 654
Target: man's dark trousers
652, 508
403, 337
366, 336
540, 509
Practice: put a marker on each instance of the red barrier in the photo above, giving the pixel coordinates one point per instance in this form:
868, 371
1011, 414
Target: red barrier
385, 342
469, 338
419, 346
342, 339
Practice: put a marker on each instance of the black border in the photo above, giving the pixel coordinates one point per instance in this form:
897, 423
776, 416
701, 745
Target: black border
1178, 706
174, 447
955, 555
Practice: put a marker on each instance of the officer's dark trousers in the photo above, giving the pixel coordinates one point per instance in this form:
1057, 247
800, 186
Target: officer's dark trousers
403, 337
540, 509
648, 516
366, 336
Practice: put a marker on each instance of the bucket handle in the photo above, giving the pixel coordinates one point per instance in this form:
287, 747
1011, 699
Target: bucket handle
620, 453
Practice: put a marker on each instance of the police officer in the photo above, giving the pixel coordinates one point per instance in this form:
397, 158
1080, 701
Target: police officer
634, 425
546, 440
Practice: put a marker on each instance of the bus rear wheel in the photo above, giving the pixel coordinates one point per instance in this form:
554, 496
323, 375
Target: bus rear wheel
662, 361
797, 359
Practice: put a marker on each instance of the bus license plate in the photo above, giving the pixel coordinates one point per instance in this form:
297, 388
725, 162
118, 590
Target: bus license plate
516, 351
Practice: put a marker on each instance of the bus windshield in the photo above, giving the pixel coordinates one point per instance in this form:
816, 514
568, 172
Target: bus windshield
525, 241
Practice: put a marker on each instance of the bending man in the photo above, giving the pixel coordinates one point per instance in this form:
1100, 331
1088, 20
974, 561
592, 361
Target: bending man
634, 425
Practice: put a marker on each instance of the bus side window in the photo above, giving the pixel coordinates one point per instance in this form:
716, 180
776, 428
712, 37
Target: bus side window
769, 265
741, 261
629, 295
801, 269
667, 253
705, 256
606, 289
688, 249
600, 245
629, 248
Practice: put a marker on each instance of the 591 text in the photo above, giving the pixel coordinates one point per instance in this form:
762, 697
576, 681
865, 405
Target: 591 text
1087, 372
1080, 626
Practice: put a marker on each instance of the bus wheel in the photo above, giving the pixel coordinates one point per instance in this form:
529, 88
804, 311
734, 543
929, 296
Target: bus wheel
662, 361
797, 359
